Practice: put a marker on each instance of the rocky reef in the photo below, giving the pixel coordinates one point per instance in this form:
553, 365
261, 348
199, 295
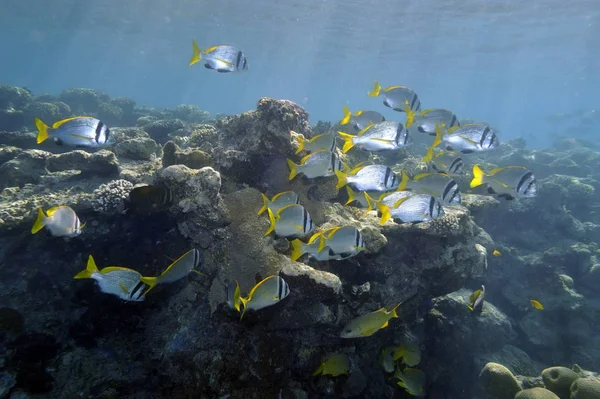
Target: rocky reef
63, 338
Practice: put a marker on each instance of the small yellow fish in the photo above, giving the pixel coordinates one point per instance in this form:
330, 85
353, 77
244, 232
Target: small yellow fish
476, 299
496, 253
412, 380
336, 364
536, 304
409, 353
368, 324
387, 359
61, 221
266, 293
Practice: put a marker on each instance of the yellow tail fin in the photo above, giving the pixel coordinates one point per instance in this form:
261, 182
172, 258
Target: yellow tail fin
342, 179
151, 281
386, 214
302, 143
42, 130
371, 203
265, 204
351, 195
376, 90
272, 220
90, 269
321, 244
347, 115
297, 249
438, 136
40, 222
243, 301
403, 181
197, 53
410, 116
348, 141
393, 311
478, 176
293, 169
429, 156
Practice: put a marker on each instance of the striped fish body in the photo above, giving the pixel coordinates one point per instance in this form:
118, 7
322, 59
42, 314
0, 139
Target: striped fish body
322, 142
62, 221
387, 135
180, 268
400, 97
345, 241
266, 293
425, 122
441, 186
121, 282
225, 59
511, 182
417, 208
80, 132
150, 199
279, 201
373, 178
362, 119
471, 138
449, 163
292, 221
320, 164
476, 299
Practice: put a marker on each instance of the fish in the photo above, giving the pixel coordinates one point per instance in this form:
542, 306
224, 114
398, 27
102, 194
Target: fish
426, 121
268, 292
78, 131
496, 253
343, 241
148, 199
469, 138
409, 353
399, 98
368, 324
362, 197
233, 296
412, 380
121, 282
321, 142
181, 267
413, 208
278, 201
361, 119
61, 221
383, 136
313, 249
438, 185
335, 365
387, 359
536, 304
509, 182
316, 164
220, 58
448, 162
291, 221
368, 178
476, 299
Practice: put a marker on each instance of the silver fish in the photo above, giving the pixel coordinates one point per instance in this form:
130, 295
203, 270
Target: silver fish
382, 136
321, 142
177, 270
268, 292
115, 280
509, 182
279, 201
426, 121
470, 138
369, 178
79, 131
439, 185
447, 162
344, 241
220, 58
398, 98
361, 119
313, 249
61, 221
415, 208
317, 164
291, 221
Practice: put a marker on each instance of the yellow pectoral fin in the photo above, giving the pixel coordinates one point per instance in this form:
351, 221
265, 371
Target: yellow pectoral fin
77, 136
224, 62
468, 140
299, 227
382, 140
125, 290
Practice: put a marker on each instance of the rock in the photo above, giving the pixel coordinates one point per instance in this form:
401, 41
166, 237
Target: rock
27, 167
8, 152
7, 382
191, 157
160, 130
110, 198
539, 330
13, 97
204, 136
103, 162
315, 284
83, 101
586, 388
191, 113
559, 380
536, 393
498, 382
513, 358
140, 148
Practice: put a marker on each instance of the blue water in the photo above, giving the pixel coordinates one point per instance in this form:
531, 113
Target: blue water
529, 68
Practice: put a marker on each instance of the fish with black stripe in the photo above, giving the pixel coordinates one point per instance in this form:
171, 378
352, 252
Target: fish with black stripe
448, 162
220, 58
121, 282
369, 178
291, 221
439, 185
408, 207
321, 142
426, 121
181, 267
361, 119
267, 292
78, 131
61, 221
148, 199
382, 136
317, 164
399, 98
468, 138
509, 182
343, 241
